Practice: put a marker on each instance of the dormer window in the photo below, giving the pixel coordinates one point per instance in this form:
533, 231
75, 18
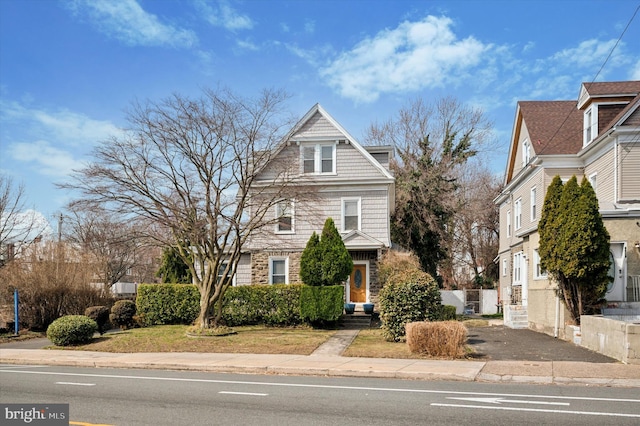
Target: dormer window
526, 152
590, 124
319, 159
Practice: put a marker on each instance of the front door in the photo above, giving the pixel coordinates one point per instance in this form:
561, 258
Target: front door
358, 284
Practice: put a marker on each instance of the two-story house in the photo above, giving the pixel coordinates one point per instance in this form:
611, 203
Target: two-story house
340, 179
596, 136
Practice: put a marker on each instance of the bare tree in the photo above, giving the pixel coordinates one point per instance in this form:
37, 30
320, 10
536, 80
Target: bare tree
433, 142
19, 227
476, 228
114, 245
189, 168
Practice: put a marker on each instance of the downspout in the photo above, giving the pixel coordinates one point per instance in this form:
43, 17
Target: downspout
557, 324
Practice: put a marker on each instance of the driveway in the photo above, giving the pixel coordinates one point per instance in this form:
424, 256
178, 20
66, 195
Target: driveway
499, 343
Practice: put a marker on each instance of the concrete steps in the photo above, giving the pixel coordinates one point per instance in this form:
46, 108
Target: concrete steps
516, 317
355, 321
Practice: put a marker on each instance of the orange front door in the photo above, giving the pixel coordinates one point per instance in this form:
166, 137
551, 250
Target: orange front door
358, 284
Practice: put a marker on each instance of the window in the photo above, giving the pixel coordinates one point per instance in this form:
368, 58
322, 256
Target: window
537, 268
350, 214
533, 204
222, 268
517, 268
284, 215
590, 124
319, 159
509, 223
526, 152
504, 267
278, 270
593, 180
309, 159
518, 213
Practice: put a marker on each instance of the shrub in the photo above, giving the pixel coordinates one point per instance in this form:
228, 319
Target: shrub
325, 261
100, 314
408, 296
71, 330
394, 262
277, 304
438, 339
122, 313
448, 313
321, 304
167, 304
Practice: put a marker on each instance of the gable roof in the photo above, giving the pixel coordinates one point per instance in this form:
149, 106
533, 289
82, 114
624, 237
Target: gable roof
315, 115
359, 240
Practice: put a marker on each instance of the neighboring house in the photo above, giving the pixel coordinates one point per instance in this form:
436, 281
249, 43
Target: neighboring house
596, 136
342, 180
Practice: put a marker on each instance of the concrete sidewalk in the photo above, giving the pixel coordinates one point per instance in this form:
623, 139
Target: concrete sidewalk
330, 364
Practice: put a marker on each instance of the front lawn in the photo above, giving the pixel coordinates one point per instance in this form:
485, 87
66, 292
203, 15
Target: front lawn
248, 339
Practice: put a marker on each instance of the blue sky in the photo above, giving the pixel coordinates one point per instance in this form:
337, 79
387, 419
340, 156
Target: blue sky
69, 69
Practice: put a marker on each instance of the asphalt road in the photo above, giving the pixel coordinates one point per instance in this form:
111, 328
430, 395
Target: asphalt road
143, 397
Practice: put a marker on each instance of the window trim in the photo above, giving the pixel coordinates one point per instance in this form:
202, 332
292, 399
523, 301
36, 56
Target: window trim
343, 202
318, 159
593, 180
286, 268
526, 152
533, 204
517, 268
505, 267
590, 124
508, 223
517, 214
537, 268
278, 215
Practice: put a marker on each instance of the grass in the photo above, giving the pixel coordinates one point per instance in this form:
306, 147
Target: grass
247, 339
22, 335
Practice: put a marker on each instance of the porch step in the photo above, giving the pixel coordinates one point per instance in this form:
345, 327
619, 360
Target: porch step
516, 317
355, 321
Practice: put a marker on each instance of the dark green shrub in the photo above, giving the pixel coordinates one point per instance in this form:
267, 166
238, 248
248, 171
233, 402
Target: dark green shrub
325, 261
100, 314
321, 304
277, 304
71, 330
448, 313
122, 313
408, 296
167, 304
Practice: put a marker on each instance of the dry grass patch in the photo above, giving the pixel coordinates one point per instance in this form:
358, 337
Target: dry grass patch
22, 335
370, 343
249, 339
438, 339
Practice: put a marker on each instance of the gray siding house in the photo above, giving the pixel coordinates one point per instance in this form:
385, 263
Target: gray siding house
340, 179
595, 136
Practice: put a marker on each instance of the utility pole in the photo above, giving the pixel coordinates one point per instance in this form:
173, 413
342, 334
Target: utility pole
59, 248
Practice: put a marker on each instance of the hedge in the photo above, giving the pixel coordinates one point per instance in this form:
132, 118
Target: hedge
71, 330
324, 304
244, 305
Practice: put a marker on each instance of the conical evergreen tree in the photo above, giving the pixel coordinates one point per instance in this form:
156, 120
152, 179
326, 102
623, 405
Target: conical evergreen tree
310, 262
335, 258
549, 227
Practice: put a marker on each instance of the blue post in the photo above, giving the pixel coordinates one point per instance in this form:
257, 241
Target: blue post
16, 326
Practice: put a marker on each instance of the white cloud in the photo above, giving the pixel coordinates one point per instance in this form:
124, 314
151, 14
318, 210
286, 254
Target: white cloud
67, 127
223, 15
47, 159
587, 55
51, 142
126, 21
411, 57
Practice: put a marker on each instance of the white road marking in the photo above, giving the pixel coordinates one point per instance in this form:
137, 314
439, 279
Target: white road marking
508, 401
75, 384
244, 393
538, 410
303, 385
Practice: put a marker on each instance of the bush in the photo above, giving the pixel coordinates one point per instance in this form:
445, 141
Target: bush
438, 339
277, 305
122, 313
408, 296
100, 314
71, 330
394, 262
448, 313
321, 304
167, 304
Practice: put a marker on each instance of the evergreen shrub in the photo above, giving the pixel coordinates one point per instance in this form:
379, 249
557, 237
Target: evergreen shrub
122, 313
100, 314
71, 330
167, 304
321, 304
448, 313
